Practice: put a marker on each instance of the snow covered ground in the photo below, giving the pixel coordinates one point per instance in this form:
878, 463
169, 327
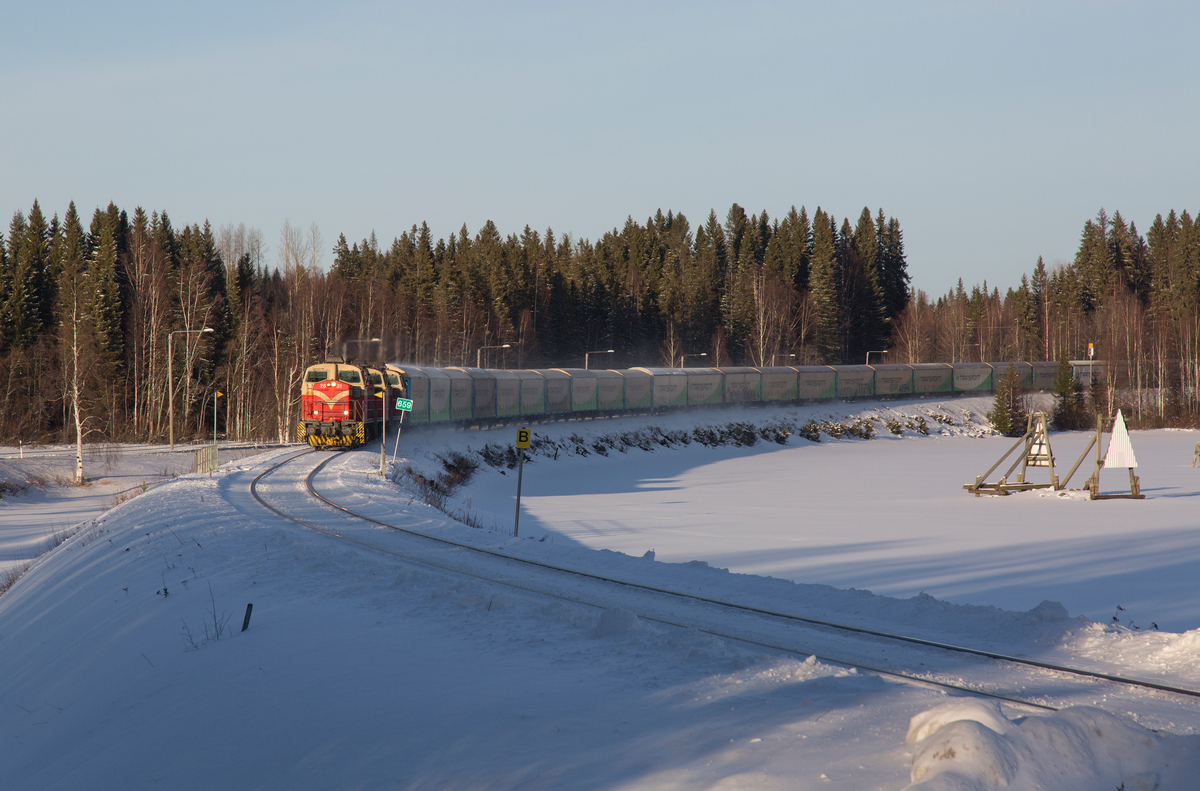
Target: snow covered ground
888, 515
43, 504
361, 670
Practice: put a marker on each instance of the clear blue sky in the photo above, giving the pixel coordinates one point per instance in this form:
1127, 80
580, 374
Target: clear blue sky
991, 130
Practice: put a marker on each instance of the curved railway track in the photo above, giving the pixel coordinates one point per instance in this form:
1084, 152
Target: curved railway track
1013, 661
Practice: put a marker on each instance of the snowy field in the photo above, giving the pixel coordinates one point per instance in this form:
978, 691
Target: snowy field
888, 515
46, 505
361, 670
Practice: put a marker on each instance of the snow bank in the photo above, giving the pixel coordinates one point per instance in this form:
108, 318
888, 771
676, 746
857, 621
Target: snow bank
970, 745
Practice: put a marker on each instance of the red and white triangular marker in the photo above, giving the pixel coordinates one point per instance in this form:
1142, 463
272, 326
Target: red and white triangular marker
1120, 451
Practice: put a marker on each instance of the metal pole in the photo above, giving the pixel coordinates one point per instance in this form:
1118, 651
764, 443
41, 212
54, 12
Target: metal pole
589, 354
396, 449
520, 471
170, 389
216, 395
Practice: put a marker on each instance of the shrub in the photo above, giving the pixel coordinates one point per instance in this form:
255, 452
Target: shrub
810, 431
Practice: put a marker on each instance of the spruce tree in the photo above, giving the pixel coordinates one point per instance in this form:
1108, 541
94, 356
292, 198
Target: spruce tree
1094, 268
25, 309
16, 235
866, 308
999, 417
1069, 411
102, 297
1008, 415
893, 267
824, 277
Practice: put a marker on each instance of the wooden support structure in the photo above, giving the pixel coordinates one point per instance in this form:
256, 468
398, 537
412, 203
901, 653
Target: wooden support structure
1095, 442
1036, 453
1120, 454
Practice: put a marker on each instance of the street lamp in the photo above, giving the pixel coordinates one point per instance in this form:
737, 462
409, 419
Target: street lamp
873, 351
774, 356
479, 353
589, 354
171, 377
683, 358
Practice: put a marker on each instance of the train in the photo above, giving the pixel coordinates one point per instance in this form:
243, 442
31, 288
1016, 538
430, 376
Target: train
345, 402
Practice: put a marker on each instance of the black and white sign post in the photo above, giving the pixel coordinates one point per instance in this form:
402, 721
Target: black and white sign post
522, 446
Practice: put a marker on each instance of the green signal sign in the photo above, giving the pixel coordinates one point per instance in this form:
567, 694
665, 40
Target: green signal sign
404, 404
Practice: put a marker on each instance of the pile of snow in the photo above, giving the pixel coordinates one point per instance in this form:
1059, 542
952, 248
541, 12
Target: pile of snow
970, 745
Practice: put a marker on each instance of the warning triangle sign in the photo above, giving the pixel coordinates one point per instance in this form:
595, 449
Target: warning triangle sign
1120, 451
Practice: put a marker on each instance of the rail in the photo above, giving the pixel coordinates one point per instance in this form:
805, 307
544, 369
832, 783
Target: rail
789, 617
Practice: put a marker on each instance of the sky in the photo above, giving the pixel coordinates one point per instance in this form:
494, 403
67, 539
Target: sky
992, 131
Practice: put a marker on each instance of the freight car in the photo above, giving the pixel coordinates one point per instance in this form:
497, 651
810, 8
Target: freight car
343, 403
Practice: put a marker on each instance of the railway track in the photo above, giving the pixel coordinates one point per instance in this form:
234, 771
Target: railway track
974, 671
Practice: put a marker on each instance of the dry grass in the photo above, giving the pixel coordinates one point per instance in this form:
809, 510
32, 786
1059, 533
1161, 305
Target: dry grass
9, 577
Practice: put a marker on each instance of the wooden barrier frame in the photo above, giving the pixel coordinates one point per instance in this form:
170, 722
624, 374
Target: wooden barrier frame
1037, 453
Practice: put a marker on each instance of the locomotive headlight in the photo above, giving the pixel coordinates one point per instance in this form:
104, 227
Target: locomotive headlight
345, 411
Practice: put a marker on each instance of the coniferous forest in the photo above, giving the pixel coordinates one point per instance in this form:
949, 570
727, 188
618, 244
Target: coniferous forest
89, 313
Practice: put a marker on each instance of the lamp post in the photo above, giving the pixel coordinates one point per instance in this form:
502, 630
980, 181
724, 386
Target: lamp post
171, 377
874, 351
589, 354
683, 358
479, 353
774, 356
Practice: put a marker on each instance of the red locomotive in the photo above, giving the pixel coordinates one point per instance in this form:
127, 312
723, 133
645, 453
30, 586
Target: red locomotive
342, 402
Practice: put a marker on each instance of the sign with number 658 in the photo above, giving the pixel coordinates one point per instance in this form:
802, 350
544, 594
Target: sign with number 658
523, 438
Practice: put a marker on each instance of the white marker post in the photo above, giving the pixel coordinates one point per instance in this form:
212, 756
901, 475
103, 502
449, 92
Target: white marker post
404, 405
522, 445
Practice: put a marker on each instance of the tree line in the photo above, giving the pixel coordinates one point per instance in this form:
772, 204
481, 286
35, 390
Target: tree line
1134, 298
97, 320
88, 315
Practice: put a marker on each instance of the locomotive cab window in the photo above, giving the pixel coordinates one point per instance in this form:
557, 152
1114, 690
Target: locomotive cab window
393, 380
316, 376
376, 379
350, 377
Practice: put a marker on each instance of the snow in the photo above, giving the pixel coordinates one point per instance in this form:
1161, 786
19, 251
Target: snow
972, 746
361, 669
892, 519
49, 505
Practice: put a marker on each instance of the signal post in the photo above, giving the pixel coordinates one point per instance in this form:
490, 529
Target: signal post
522, 446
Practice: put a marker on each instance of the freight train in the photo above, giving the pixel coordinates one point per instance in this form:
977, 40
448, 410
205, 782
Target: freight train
344, 402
